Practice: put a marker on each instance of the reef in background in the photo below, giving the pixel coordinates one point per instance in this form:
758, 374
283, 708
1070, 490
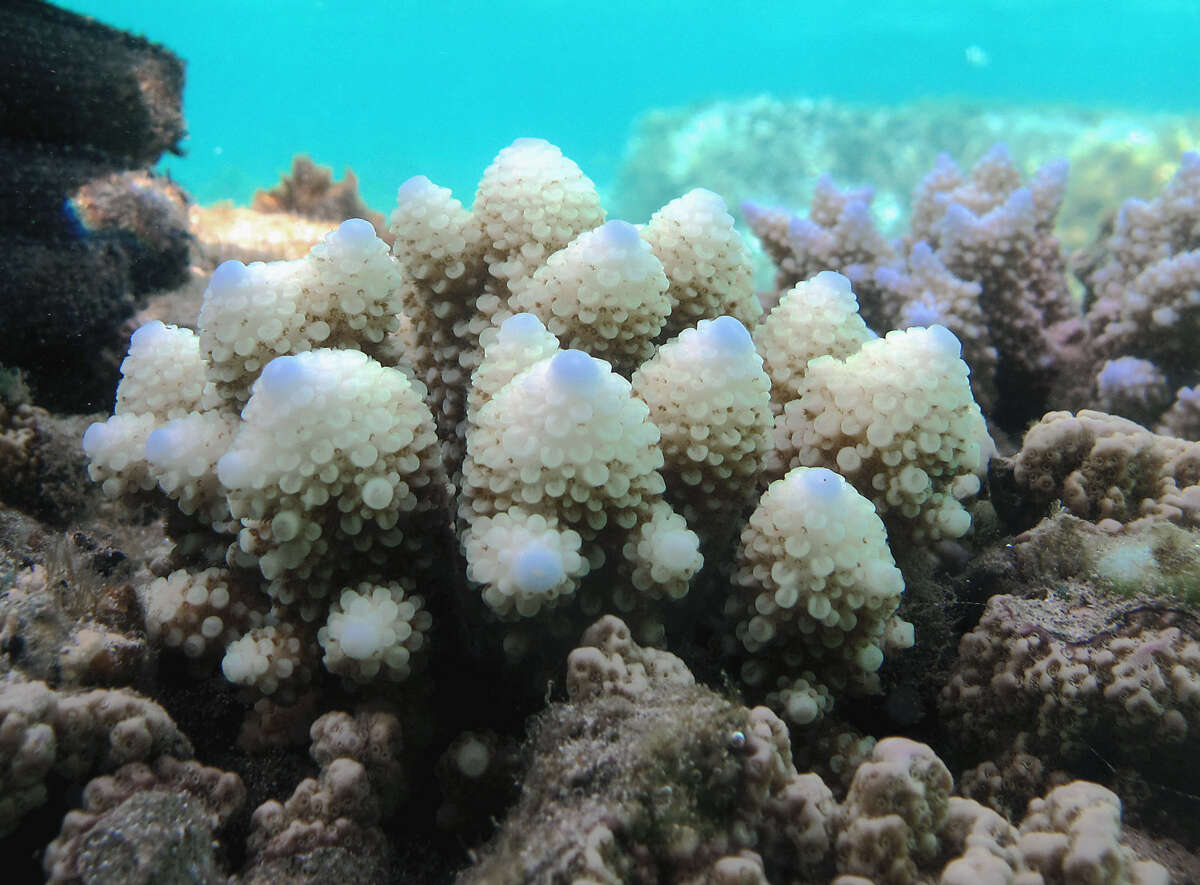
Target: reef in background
773, 150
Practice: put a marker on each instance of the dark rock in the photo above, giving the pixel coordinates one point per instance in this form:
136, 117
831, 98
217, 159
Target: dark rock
67, 79
151, 838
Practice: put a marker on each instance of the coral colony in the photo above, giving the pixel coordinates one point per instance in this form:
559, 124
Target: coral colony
598, 422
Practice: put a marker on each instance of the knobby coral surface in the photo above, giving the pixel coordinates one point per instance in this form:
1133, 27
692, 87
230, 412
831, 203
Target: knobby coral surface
400, 481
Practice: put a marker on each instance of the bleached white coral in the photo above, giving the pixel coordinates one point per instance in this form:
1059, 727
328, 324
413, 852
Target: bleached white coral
524, 561
817, 576
162, 378
584, 457
531, 202
898, 420
664, 552
818, 317
199, 611
440, 247
163, 373
705, 259
435, 240
333, 448
710, 399
521, 341
605, 293
182, 457
345, 293
374, 630
272, 659
583, 448
115, 449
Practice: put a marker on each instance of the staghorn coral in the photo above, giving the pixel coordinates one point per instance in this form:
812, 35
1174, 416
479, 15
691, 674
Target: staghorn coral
1182, 419
1141, 286
774, 150
839, 234
285, 437
980, 258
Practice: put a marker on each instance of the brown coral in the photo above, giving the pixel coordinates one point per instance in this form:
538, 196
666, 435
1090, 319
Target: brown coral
1104, 467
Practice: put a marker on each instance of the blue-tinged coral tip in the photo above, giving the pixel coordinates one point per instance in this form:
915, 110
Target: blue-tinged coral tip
284, 375
833, 279
575, 371
710, 200
414, 187
161, 443
521, 325
355, 232
801, 227
97, 436
538, 569
228, 275
620, 234
147, 335
729, 334
945, 339
820, 484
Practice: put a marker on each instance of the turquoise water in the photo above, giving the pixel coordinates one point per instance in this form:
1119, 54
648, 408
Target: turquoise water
393, 89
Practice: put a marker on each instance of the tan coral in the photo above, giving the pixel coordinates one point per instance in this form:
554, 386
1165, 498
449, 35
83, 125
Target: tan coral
218, 794
75, 735
1121, 669
705, 260
898, 420
710, 399
1105, 467
816, 317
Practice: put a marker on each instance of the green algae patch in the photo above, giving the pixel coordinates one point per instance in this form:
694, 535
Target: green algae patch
1150, 558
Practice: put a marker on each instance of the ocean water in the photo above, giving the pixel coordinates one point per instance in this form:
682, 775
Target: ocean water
394, 89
